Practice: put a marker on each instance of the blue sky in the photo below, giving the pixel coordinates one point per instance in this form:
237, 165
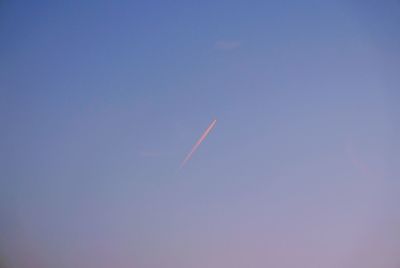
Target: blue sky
100, 102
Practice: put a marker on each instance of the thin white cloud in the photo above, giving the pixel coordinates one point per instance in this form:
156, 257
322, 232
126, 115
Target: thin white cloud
227, 45
150, 154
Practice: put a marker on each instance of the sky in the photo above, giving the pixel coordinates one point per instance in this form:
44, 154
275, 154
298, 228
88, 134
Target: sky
100, 102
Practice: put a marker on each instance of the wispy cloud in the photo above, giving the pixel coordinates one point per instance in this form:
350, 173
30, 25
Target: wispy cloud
150, 154
227, 45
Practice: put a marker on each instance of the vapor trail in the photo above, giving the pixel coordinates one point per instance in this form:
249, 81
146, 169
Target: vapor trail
197, 144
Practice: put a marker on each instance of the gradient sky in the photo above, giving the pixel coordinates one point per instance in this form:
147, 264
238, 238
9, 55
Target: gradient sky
100, 101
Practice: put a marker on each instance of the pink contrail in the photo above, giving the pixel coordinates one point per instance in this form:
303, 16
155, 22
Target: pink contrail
187, 158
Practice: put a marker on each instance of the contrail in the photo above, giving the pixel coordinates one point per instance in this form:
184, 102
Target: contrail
197, 144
